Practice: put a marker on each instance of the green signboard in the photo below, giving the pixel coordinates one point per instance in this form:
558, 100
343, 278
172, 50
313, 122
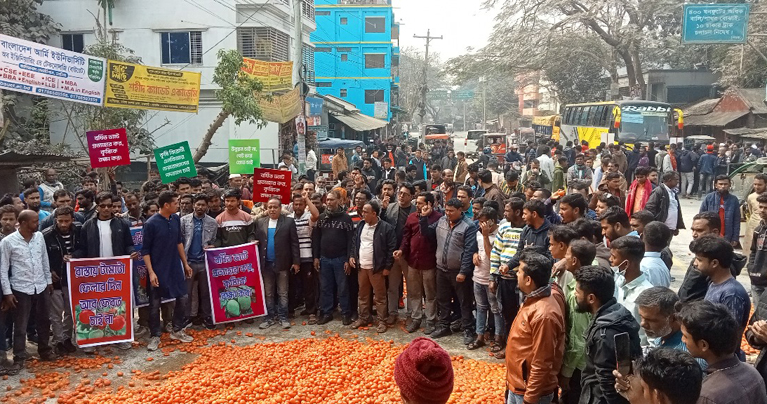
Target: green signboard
715, 23
437, 95
244, 156
175, 161
462, 95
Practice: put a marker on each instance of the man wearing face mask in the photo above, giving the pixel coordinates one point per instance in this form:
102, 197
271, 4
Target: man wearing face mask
728, 208
625, 256
659, 321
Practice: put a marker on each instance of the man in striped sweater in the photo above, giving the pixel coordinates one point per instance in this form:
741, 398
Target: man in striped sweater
505, 285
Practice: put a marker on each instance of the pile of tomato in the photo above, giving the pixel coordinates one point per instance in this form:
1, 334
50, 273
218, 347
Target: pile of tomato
312, 370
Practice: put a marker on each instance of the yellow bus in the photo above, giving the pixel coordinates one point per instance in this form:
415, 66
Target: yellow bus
547, 126
630, 122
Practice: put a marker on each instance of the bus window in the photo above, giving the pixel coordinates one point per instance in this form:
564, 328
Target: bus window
566, 116
607, 115
584, 116
596, 114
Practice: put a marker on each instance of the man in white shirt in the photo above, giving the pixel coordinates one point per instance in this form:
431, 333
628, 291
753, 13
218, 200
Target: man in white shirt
373, 256
547, 163
287, 161
311, 163
30, 283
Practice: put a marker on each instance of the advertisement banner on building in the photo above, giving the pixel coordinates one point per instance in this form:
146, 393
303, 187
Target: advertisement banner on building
268, 183
281, 108
314, 106
175, 161
100, 298
244, 155
236, 286
381, 110
145, 87
108, 148
274, 76
46, 71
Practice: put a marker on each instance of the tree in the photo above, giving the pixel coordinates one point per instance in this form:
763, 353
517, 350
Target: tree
627, 27
237, 92
743, 66
411, 73
21, 113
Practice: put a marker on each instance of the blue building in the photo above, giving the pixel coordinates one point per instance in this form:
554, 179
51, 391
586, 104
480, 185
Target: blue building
354, 57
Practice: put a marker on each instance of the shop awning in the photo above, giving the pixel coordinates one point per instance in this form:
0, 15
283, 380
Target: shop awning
360, 122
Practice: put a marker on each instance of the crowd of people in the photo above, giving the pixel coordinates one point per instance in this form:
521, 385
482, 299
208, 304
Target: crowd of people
549, 267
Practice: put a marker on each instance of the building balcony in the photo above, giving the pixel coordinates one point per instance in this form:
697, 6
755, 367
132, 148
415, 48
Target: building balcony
281, 8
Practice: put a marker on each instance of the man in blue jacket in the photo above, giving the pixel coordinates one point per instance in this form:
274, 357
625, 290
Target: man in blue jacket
706, 168
726, 206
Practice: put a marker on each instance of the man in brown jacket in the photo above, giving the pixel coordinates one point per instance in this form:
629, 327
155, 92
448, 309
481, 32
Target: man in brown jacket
339, 162
538, 332
492, 192
462, 169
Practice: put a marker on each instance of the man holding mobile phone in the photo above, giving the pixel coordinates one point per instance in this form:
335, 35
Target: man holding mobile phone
594, 294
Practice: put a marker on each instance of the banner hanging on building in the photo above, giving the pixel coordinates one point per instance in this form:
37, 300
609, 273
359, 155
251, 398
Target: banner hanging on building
268, 183
281, 108
244, 156
33, 68
100, 298
175, 161
236, 286
144, 87
275, 76
108, 148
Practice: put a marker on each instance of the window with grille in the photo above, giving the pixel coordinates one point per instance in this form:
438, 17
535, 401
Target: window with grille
323, 49
324, 84
375, 24
343, 92
344, 21
344, 49
263, 43
375, 60
322, 13
73, 42
373, 96
344, 57
181, 47
307, 6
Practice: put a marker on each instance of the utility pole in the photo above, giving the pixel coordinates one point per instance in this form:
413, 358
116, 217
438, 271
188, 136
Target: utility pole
424, 86
483, 80
298, 80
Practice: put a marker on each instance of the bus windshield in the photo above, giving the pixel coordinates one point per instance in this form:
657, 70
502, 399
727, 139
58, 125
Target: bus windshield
643, 126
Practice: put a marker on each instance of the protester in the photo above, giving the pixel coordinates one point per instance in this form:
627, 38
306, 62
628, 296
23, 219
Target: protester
655, 237
61, 241
167, 268
27, 283
372, 255
198, 231
305, 215
396, 215
579, 171
572, 207
753, 218
706, 169
594, 294
663, 376
61, 198
639, 191
538, 335
663, 203
455, 237
486, 301
615, 224
339, 162
757, 261
332, 242
727, 207
712, 334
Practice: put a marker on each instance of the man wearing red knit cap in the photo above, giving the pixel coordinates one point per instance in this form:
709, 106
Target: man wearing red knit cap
424, 373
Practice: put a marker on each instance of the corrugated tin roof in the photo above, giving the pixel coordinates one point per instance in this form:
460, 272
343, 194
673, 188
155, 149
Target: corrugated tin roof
11, 158
760, 133
360, 122
701, 108
754, 97
713, 118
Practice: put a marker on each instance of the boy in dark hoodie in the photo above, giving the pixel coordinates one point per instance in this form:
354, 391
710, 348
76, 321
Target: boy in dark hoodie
757, 260
594, 294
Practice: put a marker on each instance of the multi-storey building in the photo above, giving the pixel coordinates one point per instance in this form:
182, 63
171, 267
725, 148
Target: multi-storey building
187, 34
354, 57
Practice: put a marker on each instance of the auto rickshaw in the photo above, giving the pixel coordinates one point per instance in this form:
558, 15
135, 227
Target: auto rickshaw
497, 144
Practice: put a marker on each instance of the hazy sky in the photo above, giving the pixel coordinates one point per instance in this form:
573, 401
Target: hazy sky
461, 23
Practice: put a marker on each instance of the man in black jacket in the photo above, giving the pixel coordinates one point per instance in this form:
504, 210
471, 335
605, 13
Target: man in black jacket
594, 294
61, 240
373, 255
695, 284
278, 248
396, 215
534, 235
104, 235
663, 203
331, 242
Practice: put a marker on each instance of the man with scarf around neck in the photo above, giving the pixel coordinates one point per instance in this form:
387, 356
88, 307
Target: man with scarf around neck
728, 208
534, 359
639, 191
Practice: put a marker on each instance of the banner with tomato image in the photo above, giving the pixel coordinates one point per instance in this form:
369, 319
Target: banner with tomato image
100, 292
235, 282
